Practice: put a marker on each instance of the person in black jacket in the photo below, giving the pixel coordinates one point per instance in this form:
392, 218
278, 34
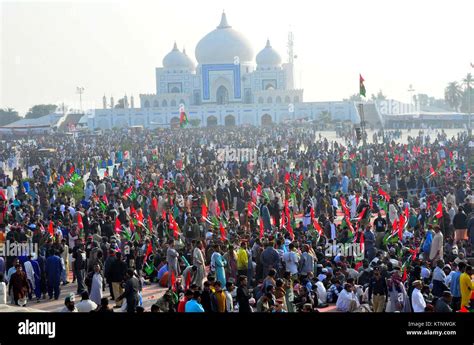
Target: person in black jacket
243, 296
79, 256
118, 268
132, 286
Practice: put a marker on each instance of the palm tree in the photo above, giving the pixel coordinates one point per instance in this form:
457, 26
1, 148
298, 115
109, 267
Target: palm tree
453, 95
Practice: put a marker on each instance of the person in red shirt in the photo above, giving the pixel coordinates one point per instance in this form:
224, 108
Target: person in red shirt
182, 303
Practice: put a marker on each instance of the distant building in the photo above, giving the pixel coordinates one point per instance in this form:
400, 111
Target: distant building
228, 86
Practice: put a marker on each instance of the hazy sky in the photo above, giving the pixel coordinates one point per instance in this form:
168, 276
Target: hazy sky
113, 47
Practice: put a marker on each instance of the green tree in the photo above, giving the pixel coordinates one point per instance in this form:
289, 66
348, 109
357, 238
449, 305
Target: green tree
120, 103
325, 117
40, 110
380, 96
453, 95
353, 98
469, 82
8, 115
195, 122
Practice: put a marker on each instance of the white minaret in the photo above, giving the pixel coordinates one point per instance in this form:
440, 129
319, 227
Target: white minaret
289, 66
125, 102
132, 102
104, 102
112, 103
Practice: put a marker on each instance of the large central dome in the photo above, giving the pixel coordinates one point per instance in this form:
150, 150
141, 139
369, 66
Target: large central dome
222, 45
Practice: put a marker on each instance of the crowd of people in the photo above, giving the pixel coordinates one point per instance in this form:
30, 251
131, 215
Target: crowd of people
308, 225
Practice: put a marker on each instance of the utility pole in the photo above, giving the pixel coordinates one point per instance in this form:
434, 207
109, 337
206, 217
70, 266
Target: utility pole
80, 91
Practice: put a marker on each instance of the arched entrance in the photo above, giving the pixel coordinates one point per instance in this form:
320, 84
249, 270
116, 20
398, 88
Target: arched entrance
211, 121
174, 122
266, 120
229, 120
222, 95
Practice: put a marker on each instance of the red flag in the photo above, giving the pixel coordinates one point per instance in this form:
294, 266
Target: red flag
432, 171
312, 213
223, 234
154, 204
261, 227
218, 210
150, 224
160, 184
317, 226
395, 226
371, 202
61, 181
362, 214
405, 276
344, 207
140, 216
300, 181
439, 210
118, 225
173, 281
2, 194
384, 194
149, 250
132, 210
249, 209
203, 211
287, 177
127, 192
71, 171
401, 226
50, 228
358, 265
163, 215
349, 224
283, 221
104, 198
362, 240
174, 226
132, 226
80, 224
259, 189
223, 206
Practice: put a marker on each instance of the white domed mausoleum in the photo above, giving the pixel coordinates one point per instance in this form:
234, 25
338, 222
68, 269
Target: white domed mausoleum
229, 85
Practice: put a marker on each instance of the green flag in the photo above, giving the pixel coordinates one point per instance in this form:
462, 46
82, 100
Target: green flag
75, 178
361, 86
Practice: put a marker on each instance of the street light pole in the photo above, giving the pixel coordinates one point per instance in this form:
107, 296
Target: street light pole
80, 91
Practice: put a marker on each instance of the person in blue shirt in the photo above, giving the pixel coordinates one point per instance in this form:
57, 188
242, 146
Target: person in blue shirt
194, 305
455, 288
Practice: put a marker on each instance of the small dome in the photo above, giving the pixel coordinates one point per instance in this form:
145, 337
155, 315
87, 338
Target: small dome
177, 59
268, 56
222, 45
191, 64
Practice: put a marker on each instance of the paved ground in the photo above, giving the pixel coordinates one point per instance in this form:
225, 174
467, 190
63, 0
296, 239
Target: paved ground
150, 294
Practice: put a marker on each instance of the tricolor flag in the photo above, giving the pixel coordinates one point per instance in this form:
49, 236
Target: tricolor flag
317, 226
361, 86
384, 194
61, 181
183, 119
149, 251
